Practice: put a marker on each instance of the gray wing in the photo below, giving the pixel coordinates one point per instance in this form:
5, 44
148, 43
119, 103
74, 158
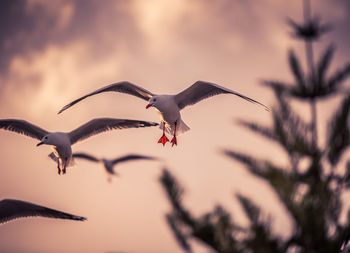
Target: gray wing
100, 125
23, 127
123, 87
201, 90
85, 156
132, 157
12, 209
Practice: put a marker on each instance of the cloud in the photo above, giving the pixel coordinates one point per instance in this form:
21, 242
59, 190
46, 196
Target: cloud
34, 25
41, 81
48, 49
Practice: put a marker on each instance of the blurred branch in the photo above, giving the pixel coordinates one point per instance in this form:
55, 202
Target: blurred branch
181, 239
297, 71
174, 193
260, 239
338, 138
214, 229
310, 30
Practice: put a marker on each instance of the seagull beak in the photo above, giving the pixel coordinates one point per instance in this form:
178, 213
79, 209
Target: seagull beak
40, 143
148, 106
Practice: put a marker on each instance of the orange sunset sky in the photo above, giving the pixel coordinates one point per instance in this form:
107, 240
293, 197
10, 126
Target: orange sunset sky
55, 51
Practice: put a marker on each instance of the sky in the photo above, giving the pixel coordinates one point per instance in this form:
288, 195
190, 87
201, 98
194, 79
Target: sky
54, 53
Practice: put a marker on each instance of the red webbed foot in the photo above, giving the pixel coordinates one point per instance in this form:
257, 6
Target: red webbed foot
174, 141
163, 139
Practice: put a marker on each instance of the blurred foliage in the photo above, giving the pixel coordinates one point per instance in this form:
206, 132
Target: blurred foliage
317, 84
312, 195
311, 30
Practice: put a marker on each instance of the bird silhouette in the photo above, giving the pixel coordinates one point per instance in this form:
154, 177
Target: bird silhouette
109, 164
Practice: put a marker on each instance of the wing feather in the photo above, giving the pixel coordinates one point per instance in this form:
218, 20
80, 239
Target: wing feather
123, 87
132, 157
85, 156
100, 125
201, 90
23, 127
12, 209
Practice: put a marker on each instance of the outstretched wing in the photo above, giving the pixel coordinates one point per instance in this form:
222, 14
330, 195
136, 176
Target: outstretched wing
123, 87
100, 125
132, 157
12, 209
23, 127
201, 90
85, 156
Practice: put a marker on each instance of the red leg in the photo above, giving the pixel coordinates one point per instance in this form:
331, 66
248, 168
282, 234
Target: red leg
64, 166
58, 168
163, 139
173, 140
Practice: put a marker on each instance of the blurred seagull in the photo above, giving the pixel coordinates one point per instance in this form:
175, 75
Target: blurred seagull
12, 209
109, 164
61, 142
168, 106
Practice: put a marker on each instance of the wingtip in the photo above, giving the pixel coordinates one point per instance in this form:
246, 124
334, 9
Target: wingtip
79, 218
153, 158
225, 151
151, 124
265, 107
60, 111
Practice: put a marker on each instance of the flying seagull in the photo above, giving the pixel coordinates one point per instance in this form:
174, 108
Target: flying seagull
109, 164
61, 141
12, 209
168, 106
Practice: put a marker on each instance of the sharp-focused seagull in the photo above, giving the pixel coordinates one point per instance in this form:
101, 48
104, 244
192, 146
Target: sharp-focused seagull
168, 106
61, 142
12, 209
109, 164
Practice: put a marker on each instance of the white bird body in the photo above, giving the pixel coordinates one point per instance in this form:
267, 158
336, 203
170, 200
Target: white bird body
61, 142
168, 106
169, 113
62, 148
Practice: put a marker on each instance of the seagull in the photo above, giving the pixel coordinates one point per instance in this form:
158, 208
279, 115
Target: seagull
109, 164
61, 142
168, 106
11, 209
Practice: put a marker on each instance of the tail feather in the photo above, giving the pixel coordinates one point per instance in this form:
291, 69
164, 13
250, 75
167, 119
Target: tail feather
181, 127
54, 158
71, 162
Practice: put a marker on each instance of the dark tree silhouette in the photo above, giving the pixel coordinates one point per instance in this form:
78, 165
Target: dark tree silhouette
312, 196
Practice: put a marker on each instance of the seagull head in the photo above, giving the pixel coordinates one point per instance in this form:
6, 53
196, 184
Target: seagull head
154, 101
48, 139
